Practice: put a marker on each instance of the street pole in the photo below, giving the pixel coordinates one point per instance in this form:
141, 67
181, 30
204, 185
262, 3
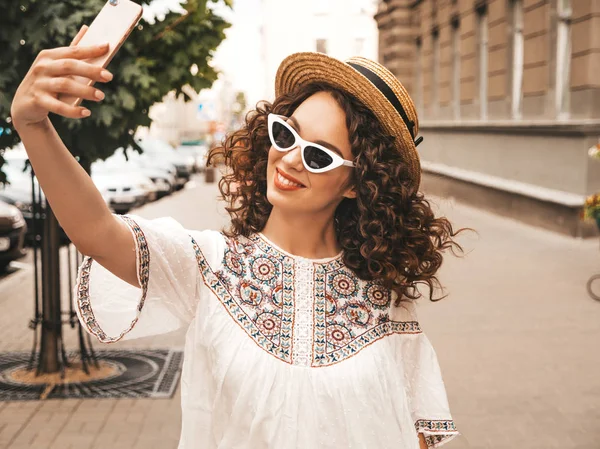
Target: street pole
51, 332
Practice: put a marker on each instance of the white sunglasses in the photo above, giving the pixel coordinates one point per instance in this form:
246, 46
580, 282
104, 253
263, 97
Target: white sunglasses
316, 158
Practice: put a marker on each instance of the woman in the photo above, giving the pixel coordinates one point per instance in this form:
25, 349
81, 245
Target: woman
302, 330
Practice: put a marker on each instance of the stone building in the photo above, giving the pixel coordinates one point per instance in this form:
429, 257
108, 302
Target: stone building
508, 93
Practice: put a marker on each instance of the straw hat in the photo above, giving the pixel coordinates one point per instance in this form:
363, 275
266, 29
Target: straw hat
372, 84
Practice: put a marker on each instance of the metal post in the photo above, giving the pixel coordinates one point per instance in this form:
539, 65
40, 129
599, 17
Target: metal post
51, 311
35, 213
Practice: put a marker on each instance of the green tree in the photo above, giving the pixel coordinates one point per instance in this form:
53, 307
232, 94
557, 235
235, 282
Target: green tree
155, 60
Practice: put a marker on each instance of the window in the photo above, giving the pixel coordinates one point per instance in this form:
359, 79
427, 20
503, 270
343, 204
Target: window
563, 58
517, 57
435, 69
482, 37
419, 75
456, 67
322, 45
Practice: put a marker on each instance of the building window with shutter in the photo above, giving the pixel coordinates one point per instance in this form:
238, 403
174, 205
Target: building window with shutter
563, 58
482, 56
455, 67
517, 59
435, 70
419, 75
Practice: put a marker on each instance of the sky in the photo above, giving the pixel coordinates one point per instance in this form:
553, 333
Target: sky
237, 55
240, 57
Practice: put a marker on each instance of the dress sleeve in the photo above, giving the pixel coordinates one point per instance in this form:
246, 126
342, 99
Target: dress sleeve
426, 391
167, 269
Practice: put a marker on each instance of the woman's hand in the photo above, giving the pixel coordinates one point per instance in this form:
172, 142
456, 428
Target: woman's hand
50, 75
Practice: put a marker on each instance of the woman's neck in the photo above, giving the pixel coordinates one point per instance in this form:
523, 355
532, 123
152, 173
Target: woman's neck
303, 235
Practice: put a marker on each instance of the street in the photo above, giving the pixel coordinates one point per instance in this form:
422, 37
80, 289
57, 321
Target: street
516, 340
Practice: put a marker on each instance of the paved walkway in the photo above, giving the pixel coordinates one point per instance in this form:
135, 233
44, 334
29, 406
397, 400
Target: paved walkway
517, 340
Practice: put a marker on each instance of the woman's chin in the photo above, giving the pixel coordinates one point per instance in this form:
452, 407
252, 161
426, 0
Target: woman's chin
280, 198
275, 198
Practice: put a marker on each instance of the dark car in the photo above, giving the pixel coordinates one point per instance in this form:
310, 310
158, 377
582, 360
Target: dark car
183, 174
165, 153
21, 199
12, 234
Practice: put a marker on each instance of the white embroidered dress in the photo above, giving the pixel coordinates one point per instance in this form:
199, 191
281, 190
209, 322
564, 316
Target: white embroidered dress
281, 351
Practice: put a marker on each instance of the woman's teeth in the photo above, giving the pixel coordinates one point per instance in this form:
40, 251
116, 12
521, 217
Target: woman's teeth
286, 181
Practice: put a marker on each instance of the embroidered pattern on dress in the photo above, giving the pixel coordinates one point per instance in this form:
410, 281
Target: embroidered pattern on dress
357, 318
435, 440
446, 428
303, 312
84, 307
257, 290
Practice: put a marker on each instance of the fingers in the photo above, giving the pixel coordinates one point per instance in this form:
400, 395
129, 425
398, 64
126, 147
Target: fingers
51, 104
68, 67
79, 35
88, 52
70, 87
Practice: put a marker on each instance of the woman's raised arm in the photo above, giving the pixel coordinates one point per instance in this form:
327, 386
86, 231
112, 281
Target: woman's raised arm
75, 200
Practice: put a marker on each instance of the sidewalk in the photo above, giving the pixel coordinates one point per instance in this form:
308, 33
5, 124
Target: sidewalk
98, 423
516, 339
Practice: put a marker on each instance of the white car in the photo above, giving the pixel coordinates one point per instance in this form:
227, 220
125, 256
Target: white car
163, 183
144, 182
199, 153
120, 192
159, 150
163, 177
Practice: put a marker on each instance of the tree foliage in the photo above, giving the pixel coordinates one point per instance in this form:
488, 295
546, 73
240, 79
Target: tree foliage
155, 60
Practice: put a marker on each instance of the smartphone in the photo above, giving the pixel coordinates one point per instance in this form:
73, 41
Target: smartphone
112, 25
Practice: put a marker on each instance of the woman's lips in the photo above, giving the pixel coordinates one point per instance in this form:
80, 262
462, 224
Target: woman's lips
281, 182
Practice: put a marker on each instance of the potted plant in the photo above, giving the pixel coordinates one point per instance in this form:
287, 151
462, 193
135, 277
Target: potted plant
591, 209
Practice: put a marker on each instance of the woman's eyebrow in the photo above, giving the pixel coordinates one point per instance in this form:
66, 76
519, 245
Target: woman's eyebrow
320, 142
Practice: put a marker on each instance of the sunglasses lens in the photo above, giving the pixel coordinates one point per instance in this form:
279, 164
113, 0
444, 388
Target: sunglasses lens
283, 137
316, 158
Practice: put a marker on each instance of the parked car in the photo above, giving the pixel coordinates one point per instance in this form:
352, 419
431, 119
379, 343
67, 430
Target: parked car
159, 172
12, 234
21, 199
166, 154
18, 193
144, 182
120, 193
198, 152
164, 178
163, 183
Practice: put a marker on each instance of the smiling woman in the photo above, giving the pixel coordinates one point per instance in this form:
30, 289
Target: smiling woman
303, 331
387, 230
327, 190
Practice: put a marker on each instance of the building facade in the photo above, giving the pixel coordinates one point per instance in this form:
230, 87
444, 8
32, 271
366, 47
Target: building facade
508, 94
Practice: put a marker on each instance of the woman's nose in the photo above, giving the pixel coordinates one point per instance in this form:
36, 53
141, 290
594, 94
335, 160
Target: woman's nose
293, 158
